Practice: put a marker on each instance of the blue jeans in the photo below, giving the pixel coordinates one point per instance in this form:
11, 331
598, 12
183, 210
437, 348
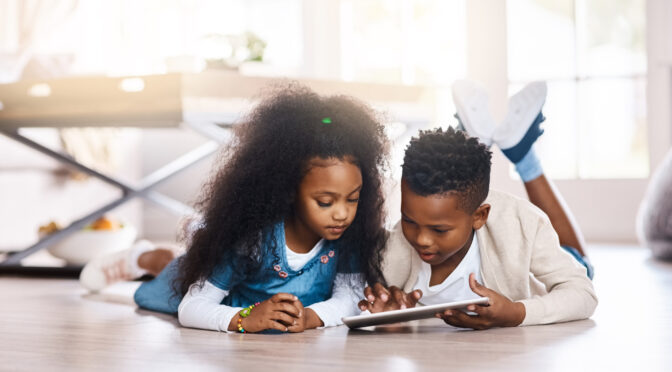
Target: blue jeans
582, 260
158, 294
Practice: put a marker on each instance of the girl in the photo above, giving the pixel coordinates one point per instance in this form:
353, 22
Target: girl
291, 226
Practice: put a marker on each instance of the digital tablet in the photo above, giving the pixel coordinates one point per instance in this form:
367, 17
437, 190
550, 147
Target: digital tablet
405, 315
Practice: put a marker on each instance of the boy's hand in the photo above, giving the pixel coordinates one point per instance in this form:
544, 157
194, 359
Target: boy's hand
500, 312
380, 299
278, 312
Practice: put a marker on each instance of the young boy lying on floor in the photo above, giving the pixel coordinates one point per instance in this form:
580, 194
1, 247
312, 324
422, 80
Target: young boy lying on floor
458, 239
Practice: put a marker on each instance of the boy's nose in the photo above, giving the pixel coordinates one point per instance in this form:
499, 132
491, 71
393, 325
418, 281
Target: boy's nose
423, 240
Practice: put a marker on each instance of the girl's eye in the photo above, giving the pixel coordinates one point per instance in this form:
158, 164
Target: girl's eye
353, 200
322, 204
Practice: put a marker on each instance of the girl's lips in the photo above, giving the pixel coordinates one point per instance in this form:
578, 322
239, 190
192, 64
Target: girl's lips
336, 230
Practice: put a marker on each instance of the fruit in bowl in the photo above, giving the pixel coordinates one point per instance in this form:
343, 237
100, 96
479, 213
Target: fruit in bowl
104, 235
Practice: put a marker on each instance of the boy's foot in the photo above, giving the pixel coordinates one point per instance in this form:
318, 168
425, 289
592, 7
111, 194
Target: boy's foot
520, 129
471, 103
108, 269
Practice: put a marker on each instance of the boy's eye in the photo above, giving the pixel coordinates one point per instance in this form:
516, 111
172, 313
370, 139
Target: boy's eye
440, 231
407, 220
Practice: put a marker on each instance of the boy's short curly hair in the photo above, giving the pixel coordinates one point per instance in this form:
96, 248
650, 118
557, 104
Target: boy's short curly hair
448, 162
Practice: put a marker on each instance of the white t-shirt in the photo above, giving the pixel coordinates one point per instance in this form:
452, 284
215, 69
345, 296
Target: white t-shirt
456, 286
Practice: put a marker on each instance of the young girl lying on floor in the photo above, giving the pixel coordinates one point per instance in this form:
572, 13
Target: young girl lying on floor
291, 227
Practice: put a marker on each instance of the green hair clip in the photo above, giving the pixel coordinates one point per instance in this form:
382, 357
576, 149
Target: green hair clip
326, 120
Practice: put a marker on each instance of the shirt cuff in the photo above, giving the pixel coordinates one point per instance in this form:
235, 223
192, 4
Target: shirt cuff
226, 317
326, 314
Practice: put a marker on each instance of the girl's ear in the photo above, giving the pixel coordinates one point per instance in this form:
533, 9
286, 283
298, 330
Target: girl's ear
480, 216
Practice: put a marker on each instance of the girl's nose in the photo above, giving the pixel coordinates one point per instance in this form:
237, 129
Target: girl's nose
340, 213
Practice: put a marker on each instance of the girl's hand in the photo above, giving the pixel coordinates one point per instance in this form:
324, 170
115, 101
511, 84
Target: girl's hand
278, 312
501, 312
379, 299
307, 319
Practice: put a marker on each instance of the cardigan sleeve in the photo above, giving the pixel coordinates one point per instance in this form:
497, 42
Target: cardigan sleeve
570, 294
397, 259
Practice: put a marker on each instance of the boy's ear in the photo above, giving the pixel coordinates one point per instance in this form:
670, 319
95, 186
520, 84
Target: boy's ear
480, 216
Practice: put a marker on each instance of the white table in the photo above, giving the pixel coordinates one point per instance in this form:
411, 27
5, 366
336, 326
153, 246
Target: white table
207, 103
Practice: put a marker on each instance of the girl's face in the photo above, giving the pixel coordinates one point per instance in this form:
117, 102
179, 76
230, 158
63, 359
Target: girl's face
328, 195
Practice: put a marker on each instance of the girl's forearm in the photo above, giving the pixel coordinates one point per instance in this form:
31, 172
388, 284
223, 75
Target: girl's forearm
312, 319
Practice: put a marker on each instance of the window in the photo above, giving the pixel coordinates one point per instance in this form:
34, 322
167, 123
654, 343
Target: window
403, 41
592, 53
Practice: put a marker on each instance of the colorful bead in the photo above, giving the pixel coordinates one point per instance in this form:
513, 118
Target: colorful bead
244, 314
277, 267
282, 274
324, 259
331, 254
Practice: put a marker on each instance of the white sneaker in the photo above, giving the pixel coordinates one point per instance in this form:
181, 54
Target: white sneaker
524, 107
471, 103
108, 269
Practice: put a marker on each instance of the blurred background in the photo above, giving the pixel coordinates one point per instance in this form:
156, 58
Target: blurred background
606, 62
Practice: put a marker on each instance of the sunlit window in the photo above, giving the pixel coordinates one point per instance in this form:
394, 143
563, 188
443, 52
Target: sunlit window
403, 41
593, 55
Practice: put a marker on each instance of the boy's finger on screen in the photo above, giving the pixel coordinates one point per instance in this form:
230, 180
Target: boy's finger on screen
364, 305
368, 294
398, 296
381, 292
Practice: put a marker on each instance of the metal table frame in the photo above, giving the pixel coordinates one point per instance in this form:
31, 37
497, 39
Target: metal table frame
218, 134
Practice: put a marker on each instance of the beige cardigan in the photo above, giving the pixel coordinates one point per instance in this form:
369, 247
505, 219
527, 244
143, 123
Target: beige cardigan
521, 258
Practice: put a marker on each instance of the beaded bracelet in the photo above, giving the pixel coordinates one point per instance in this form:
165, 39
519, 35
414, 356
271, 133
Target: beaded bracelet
244, 314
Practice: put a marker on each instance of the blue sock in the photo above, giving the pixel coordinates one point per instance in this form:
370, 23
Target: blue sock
517, 152
529, 167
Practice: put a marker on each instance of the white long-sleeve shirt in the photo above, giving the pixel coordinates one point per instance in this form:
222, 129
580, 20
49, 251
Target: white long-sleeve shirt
201, 307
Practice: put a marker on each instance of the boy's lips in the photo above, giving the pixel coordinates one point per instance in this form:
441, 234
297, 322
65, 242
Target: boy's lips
427, 255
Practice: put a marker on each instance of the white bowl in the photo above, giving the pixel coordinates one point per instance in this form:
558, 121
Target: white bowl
80, 247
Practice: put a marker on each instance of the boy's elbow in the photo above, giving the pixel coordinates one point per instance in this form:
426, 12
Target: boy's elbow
591, 304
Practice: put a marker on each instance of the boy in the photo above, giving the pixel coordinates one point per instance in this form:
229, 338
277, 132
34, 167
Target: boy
455, 233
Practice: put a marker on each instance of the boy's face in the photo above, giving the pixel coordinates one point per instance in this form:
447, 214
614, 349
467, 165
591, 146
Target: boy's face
436, 227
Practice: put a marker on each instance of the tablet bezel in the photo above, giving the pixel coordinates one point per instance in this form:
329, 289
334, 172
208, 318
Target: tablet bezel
405, 315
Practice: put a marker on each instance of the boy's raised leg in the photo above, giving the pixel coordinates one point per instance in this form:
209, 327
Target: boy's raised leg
516, 141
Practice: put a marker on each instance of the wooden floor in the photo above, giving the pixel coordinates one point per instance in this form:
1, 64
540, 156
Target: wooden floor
52, 324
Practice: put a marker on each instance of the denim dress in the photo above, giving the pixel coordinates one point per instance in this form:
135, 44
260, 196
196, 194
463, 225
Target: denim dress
312, 283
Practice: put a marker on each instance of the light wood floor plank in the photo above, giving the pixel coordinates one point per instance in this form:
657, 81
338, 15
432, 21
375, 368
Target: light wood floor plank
52, 324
